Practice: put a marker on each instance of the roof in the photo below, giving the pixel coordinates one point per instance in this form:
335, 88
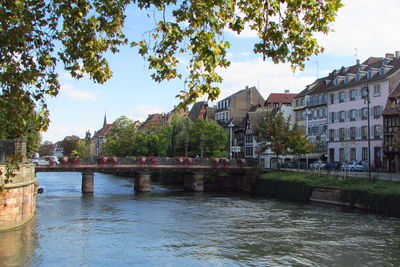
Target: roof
195, 112
326, 84
389, 108
239, 92
103, 131
280, 98
255, 118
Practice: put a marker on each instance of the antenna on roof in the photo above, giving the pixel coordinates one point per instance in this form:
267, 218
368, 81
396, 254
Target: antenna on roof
316, 62
356, 55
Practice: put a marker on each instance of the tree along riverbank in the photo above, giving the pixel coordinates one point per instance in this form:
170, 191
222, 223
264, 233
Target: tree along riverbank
375, 196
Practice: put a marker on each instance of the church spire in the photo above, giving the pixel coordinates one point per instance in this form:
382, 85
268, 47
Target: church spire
105, 120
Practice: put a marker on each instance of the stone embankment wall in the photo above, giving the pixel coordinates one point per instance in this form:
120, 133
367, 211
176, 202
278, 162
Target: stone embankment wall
302, 192
18, 199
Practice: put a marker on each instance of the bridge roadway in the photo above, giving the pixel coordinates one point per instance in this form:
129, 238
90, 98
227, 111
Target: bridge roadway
242, 177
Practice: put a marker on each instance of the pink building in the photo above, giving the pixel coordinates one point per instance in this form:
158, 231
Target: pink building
347, 109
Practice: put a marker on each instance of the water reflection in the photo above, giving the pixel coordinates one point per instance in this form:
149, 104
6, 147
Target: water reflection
117, 227
17, 246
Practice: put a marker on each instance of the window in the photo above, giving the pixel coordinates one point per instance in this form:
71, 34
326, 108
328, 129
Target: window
342, 97
352, 133
332, 98
324, 128
249, 151
364, 113
377, 90
364, 132
377, 131
353, 94
331, 134
352, 154
249, 138
297, 102
377, 112
325, 112
342, 116
333, 117
341, 154
353, 115
341, 134
364, 155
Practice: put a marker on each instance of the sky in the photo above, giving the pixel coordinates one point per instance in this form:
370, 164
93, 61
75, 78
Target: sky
363, 28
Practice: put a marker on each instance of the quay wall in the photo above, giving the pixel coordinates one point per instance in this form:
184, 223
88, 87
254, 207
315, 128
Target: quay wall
18, 199
302, 192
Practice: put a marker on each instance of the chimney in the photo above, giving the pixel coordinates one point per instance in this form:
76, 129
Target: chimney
397, 54
287, 91
389, 55
358, 62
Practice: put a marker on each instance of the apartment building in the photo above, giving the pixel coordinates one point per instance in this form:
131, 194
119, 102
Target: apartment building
311, 114
235, 106
347, 89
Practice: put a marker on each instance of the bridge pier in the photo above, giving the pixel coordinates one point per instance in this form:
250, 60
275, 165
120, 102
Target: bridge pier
142, 182
87, 182
194, 182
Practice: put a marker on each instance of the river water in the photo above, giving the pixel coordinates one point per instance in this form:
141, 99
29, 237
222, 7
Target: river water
118, 227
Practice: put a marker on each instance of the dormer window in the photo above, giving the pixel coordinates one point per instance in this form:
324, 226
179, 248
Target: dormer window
358, 76
382, 71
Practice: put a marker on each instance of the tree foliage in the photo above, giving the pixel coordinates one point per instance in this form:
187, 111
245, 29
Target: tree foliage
46, 149
37, 36
298, 142
70, 144
120, 138
274, 133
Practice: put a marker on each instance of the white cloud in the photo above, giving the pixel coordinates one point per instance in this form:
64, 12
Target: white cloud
265, 75
71, 92
57, 132
142, 112
245, 54
369, 26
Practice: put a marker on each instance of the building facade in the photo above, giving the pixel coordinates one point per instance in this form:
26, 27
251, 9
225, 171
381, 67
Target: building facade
391, 132
348, 111
235, 106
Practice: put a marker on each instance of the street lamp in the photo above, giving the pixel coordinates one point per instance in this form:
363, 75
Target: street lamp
230, 139
201, 145
367, 100
308, 113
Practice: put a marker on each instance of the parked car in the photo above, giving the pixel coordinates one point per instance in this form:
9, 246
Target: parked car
40, 161
333, 165
45, 161
317, 164
354, 166
289, 164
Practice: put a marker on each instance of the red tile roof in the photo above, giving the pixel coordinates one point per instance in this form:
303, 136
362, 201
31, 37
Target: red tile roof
103, 131
280, 98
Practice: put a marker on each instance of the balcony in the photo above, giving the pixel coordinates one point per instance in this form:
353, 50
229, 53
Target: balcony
316, 102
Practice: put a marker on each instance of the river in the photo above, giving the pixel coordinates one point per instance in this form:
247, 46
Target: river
118, 227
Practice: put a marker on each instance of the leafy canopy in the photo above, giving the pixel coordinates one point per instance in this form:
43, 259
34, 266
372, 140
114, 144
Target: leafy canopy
36, 36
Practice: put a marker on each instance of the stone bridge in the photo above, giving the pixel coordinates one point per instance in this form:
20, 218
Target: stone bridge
242, 175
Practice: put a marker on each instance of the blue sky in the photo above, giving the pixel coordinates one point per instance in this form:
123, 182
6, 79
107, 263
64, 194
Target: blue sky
370, 26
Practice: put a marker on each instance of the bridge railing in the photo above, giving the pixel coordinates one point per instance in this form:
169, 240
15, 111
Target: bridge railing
216, 162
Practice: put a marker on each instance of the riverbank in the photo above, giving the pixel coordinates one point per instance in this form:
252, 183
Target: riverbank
375, 196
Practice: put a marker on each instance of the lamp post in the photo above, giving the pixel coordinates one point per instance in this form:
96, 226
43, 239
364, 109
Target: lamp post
308, 113
201, 145
367, 100
230, 139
